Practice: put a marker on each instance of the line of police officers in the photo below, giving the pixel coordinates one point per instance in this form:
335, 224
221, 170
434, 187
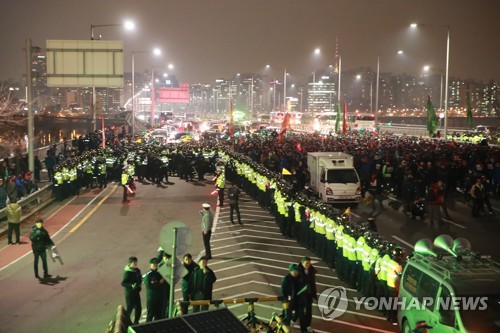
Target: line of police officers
361, 258
151, 162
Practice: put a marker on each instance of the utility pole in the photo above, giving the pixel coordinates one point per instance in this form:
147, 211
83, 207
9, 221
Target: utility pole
31, 120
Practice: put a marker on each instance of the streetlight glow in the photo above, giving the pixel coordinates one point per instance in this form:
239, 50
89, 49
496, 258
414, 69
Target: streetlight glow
358, 77
400, 52
317, 51
413, 25
157, 51
170, 66
426, 68
129, 25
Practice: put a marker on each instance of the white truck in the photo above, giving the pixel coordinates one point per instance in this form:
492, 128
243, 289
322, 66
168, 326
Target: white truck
334, 178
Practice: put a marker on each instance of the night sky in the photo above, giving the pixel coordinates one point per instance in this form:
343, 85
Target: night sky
209, 39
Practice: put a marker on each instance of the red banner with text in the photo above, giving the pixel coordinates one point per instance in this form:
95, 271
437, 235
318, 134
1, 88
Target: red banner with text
173, 95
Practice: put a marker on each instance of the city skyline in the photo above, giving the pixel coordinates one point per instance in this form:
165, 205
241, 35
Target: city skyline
214, 39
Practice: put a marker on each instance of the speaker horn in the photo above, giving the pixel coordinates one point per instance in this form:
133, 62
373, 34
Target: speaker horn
424, 247
461, 245
445, 242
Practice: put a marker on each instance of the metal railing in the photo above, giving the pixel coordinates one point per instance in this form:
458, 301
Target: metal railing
27, 201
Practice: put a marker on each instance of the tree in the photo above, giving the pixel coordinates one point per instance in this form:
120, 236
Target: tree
12, 123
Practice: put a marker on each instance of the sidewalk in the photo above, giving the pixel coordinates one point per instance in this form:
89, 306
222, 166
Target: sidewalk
53, 223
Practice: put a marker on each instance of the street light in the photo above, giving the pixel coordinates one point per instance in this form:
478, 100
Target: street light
156, 52
128, 25
284, 86
427, 68
414, 25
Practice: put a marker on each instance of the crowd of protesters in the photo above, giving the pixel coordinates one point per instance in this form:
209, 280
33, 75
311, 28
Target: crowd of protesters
410, 168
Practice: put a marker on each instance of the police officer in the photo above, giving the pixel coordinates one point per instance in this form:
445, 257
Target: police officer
165, 290
207, 221
234, 195
124, 183
131, 281
220, 184
154, 291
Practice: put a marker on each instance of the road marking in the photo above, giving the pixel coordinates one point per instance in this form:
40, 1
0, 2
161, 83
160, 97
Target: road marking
252, 236
249, 224
60, 230
249, 230
86, 217
265, 259
259, 243
455, 224
271, 252
402, 241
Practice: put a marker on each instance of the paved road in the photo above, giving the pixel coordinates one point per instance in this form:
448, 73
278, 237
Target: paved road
97, 235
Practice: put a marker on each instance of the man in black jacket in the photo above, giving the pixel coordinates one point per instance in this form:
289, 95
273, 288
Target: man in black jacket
201, 284
131, 281
40, 241
294, 289
191, 266
307, 273
154, 291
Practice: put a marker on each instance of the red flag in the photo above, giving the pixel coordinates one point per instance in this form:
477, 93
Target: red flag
284, 125
344, 119
231, 125
103, 133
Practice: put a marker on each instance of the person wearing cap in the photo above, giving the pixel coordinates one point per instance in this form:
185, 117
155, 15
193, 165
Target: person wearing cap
294, 290
234, 194
124, 183
40, 241
14, 213
154, 291
207, 222
201, 284
131, 281
163, 260
422, 327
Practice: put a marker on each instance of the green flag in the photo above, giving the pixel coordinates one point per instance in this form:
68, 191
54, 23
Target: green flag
337, 119
432, 121
469, 108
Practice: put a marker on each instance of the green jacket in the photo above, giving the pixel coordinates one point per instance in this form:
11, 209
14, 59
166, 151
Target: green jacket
131, 279
14, 213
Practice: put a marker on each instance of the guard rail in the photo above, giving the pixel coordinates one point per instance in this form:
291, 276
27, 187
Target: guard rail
36, 197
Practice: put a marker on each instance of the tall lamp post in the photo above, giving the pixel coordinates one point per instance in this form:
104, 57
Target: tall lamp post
427, 68
156, 52
128, 25
414, 25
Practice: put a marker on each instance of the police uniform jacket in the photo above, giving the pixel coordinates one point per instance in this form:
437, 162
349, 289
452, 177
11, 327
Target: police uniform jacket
187, 278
